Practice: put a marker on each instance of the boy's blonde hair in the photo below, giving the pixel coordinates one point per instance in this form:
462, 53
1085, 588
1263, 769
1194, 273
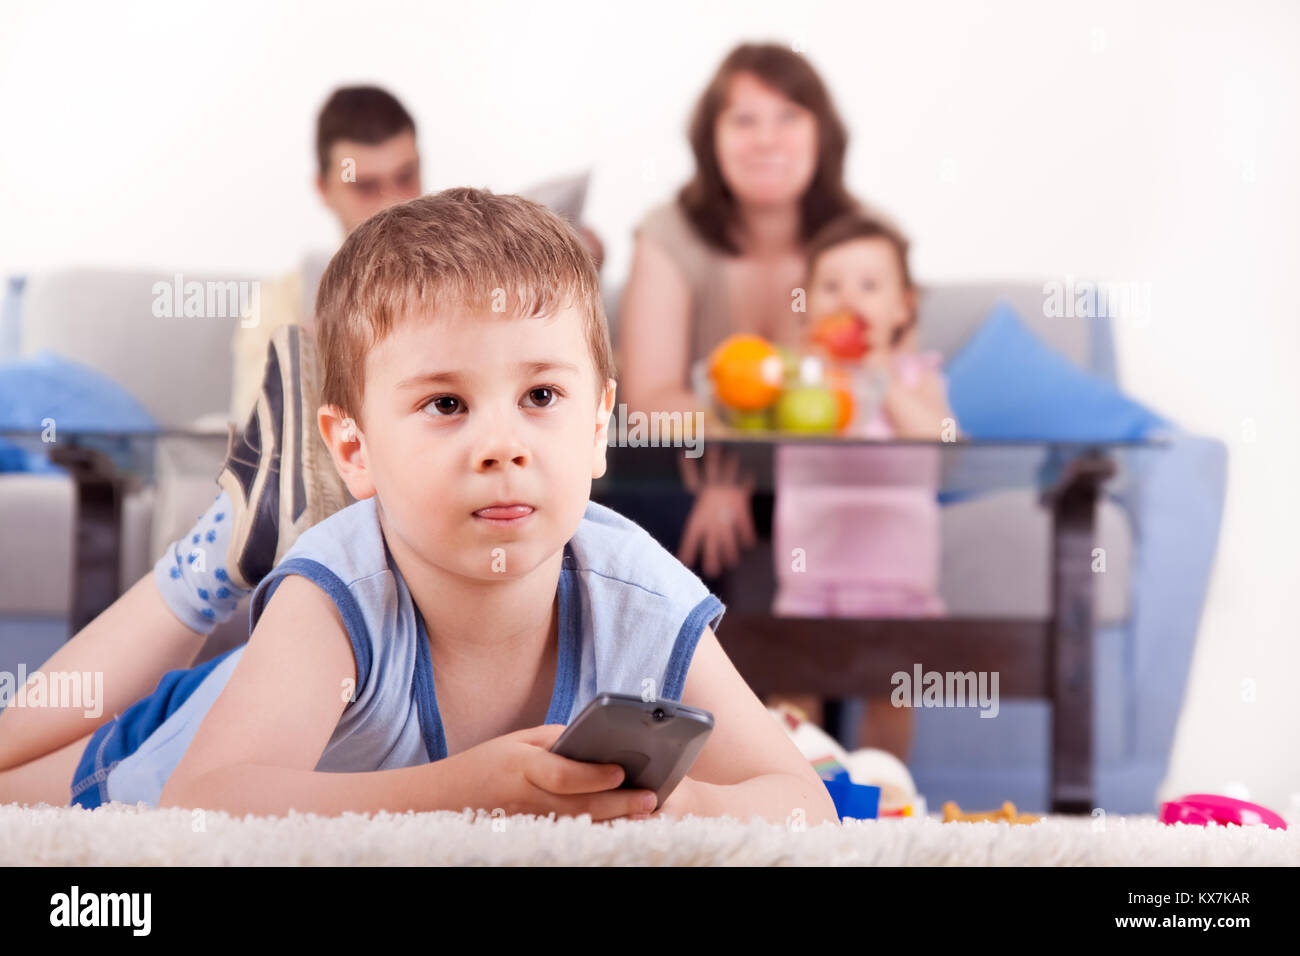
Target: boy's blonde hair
463, 247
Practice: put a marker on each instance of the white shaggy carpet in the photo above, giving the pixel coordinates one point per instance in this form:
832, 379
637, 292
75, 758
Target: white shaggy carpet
120, 835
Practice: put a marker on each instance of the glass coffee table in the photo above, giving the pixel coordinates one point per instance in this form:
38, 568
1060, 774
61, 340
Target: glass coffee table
1047, 658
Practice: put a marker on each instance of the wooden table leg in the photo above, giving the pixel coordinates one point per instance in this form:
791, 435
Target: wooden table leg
1074, 508
98, 531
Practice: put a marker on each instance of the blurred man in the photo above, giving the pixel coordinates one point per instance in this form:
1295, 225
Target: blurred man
367, 160
365, 148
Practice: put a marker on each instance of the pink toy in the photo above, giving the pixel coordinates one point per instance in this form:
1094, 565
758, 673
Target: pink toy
1203, 809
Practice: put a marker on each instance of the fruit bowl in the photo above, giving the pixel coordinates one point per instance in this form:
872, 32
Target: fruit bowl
749, 385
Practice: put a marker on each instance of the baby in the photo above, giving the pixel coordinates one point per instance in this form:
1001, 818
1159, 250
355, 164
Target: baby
856, 529
422, 648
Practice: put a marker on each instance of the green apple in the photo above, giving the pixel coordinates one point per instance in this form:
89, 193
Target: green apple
807, 409
748, 421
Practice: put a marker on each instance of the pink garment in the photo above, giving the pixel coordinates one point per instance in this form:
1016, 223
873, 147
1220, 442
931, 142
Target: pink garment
865, 520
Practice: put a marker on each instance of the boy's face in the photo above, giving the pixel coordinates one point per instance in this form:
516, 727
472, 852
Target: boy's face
364, 179
466, 411
862, 276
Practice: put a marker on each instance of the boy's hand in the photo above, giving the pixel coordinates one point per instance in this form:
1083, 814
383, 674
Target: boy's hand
686, 799
517, 773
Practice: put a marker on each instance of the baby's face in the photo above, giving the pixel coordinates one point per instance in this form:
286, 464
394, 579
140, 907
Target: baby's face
862, 276
468, 411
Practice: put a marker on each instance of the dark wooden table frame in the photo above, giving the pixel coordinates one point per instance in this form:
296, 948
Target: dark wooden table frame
1047, 659
98, 531
101, 487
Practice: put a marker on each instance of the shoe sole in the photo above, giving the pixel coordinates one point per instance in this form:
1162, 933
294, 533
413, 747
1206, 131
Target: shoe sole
300, 485
254, 485
315, 490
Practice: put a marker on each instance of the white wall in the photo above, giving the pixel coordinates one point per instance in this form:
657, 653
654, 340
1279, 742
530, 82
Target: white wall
1154, 142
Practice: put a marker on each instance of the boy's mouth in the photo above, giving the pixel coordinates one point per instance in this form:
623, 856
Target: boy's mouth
505, 514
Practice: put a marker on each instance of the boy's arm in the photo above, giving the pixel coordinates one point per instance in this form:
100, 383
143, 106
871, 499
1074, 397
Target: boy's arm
259, 743
749, 766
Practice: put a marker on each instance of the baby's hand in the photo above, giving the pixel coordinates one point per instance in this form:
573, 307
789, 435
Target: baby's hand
916, 404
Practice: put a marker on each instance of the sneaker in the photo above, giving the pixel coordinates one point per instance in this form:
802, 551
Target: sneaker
278, 473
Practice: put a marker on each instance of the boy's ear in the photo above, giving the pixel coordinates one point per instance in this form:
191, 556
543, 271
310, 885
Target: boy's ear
603, 410
348, 449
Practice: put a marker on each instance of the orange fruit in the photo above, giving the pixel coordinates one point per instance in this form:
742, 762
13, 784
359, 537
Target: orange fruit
839, 382
747, 372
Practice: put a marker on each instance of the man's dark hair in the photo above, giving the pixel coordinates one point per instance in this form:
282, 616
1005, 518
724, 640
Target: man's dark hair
364, 114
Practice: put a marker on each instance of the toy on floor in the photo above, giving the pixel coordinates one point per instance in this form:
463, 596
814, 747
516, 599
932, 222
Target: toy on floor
898, 796
952, 814
865, 784
1203, 809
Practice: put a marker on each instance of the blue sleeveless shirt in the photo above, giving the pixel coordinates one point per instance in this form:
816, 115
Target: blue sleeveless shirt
630, 616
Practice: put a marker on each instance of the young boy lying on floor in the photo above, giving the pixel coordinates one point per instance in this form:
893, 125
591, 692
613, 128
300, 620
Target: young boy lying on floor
422, 648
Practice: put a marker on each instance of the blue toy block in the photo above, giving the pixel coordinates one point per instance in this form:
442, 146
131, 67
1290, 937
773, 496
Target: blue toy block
853, 800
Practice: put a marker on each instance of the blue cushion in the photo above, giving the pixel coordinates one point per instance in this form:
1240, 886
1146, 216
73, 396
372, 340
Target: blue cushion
12, 458
1006, 383
76, 397
16, 458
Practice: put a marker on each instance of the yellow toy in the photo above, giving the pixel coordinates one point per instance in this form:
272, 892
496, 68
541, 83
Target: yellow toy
952, 814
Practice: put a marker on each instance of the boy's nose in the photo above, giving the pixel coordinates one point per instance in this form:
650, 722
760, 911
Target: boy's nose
487, 463
500, 449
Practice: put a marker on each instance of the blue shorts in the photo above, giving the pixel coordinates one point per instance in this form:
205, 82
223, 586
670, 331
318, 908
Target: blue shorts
121, 736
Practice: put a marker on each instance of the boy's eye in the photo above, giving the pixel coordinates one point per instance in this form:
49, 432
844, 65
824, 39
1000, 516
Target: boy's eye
868, 285
444, 404
447, 405
830, 286
544, 395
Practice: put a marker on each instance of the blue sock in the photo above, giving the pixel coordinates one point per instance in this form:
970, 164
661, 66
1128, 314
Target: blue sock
191, 574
